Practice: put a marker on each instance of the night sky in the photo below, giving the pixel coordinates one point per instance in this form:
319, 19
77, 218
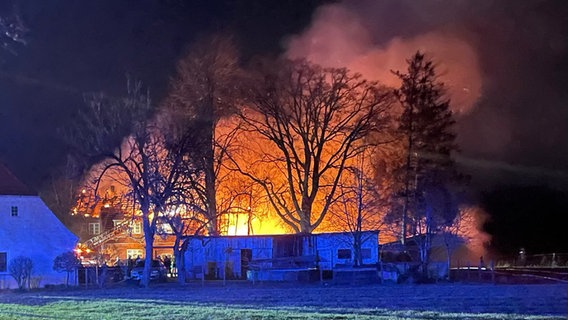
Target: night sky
513, 135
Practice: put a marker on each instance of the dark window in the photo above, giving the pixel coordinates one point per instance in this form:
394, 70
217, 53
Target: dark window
365, 253
287, 246
3, 260
14, 211
344, 254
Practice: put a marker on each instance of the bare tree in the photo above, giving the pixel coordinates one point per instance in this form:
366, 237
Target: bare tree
183, 222
359, 206
386, 164
457, 233
184, 210
120, 136
202, 93
187, 210
21, 270
307, 123
59, 193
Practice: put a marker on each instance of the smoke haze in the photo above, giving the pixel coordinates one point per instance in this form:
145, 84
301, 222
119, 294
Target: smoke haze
503, 63
338, 38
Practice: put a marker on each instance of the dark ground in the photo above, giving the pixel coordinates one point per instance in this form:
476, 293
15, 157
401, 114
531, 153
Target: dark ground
541, 300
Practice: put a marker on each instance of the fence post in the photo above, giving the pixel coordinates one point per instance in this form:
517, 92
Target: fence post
203, 274
492, 266
458, 271
226, 263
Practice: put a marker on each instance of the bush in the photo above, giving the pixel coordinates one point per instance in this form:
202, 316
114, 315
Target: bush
21, 270
35, 282
66, 262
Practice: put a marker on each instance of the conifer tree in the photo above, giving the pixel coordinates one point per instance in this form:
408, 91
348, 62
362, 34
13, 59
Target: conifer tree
428, 174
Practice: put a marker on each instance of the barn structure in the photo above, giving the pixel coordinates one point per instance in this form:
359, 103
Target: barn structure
285, 257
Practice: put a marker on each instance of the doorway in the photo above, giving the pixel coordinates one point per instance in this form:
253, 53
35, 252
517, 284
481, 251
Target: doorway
246, 258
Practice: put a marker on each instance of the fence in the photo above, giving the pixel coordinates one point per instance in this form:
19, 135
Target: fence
535, 260
99, 276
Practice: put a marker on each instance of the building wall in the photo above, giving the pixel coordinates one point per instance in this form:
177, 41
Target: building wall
35, 232
333, 247
215, 254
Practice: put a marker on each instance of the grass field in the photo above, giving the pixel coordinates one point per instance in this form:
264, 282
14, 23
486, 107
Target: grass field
285, 301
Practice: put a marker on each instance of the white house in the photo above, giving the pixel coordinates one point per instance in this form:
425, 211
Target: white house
29, 228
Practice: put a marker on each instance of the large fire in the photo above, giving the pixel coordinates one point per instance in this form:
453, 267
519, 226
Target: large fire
240, 224
331, 44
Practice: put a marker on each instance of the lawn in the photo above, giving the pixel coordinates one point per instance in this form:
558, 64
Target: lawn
286, 301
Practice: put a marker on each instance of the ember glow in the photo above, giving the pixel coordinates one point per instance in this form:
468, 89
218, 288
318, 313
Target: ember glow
239, 224
476, 239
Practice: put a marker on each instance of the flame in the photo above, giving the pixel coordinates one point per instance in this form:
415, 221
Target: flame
238, 224
474, 218
268, 226
245, 223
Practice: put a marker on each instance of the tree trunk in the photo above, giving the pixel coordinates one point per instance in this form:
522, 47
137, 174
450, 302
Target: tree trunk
305, 227
449, 261
180, 261
177, 256
427, 242
305, 216
210, 188
357, 243
149, 242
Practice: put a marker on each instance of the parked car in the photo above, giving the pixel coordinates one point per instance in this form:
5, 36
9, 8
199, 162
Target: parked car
157, 272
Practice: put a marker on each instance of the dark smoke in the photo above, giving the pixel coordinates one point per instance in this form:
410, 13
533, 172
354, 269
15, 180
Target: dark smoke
504, 63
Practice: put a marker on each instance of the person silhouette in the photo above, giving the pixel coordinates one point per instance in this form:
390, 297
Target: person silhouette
168, 264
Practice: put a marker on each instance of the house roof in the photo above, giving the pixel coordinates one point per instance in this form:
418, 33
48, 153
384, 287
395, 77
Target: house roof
283, 235
10, 185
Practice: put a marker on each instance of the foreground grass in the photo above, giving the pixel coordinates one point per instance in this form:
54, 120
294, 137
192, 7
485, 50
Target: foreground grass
158, 309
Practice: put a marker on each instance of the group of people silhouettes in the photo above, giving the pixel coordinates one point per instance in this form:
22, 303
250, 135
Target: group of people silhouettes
133, 262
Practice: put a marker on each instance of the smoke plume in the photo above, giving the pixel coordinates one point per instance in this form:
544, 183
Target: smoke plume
340, 37
503, 62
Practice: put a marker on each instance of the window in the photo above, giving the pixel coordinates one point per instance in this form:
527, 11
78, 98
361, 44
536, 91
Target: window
344, 254
136, 228
165, 228
134, 253
94, 228
14, 211
3, 260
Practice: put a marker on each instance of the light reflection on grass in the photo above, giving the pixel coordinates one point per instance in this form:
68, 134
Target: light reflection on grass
158, 309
